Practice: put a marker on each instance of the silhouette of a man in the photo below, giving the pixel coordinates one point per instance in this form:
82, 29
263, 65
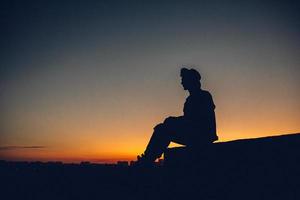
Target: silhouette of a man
195, 129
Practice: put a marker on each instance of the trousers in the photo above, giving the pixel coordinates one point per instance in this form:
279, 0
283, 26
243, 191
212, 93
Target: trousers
173, 129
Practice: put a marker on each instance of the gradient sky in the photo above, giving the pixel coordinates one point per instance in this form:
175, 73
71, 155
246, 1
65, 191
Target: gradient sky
89, 80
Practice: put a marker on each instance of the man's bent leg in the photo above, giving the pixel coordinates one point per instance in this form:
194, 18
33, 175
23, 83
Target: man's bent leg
159, 141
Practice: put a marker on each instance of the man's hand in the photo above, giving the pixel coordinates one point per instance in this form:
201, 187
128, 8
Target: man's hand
171, 118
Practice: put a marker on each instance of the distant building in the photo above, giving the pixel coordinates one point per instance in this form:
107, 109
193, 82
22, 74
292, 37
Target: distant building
54, 163
85, 163
132, 163
122, 163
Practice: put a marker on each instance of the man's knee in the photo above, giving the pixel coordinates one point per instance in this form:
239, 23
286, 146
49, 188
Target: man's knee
166, 126
159, 127
163, 130
170, 120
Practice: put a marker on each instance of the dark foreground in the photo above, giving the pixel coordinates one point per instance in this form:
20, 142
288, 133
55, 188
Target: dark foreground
247, 169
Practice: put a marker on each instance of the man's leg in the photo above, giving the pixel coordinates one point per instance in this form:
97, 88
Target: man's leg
163, 134
159, 141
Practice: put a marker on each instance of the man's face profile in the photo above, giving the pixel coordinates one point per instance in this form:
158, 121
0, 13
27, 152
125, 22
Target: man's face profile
184, 83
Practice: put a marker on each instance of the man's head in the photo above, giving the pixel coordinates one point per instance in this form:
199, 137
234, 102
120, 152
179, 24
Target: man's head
190, 79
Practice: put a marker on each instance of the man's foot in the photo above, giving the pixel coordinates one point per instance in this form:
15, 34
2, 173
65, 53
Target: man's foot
143, 161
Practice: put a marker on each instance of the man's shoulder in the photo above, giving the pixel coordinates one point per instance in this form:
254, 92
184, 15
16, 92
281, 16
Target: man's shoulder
205, 93
208, 97
201, 95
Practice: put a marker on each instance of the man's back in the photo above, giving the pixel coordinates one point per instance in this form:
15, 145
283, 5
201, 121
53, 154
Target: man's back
199, 111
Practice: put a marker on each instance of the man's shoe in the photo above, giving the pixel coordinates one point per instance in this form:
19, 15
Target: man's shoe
143, 161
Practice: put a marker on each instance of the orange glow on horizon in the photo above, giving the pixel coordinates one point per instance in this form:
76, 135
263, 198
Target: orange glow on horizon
92, 155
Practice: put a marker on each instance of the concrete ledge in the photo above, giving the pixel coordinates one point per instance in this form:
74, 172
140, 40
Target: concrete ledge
260, 151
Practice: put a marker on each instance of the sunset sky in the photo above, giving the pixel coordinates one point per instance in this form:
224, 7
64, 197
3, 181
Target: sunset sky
90, 80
